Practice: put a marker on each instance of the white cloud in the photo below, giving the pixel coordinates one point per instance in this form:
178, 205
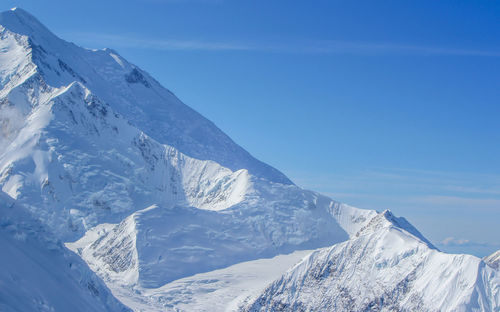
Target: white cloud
454, 242
315, 47
460, 201
130, 41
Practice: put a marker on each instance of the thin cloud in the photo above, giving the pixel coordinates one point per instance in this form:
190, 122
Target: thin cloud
413, 181
456, 242
314, 47
474, 190
120, 41
418, 191
485, 204
392, 48
452, 241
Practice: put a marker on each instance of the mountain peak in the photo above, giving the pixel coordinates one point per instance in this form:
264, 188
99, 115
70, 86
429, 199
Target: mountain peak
386, 270
131, 92
386, 219
21, 22
19, 13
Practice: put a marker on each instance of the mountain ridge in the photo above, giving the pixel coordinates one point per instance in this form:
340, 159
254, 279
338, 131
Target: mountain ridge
76, 162
389, 269
141, 100
157, 200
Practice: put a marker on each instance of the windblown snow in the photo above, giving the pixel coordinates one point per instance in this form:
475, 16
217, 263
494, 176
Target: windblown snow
170, 213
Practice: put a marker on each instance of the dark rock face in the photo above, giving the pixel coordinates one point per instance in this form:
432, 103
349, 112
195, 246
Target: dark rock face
135, 76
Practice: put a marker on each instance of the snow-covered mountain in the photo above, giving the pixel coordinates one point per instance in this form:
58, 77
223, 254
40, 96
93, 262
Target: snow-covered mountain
76, 162
79, 151
386, 267
166, 208
35, 60
61, 107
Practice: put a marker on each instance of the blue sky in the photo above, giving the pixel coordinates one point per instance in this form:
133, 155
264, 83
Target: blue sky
380, 104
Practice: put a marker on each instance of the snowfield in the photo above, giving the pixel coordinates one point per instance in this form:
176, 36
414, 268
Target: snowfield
164, 210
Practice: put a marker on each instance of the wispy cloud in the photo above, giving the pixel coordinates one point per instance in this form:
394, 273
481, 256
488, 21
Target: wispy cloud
307, 46
404, 181
452, 241
441, 204
457, 202
416, 192
123, 41
394, 48
460, 242
476, 190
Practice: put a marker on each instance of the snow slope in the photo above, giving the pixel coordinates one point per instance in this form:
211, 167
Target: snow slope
385, 268
34, 60
77, 164
493, 260
38, 274
74, 153
218, 290
163, 206
158, 245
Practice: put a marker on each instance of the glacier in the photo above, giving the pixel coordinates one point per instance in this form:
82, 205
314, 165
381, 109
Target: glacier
112, 188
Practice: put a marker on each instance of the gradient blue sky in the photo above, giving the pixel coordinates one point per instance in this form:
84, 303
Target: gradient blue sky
380, 104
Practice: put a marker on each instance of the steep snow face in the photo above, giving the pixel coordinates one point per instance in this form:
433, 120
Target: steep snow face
161, 244
76, 163
30, 52
39, 274
72, 156
166, 242
87, 139
387, 220
493, 260
385, 269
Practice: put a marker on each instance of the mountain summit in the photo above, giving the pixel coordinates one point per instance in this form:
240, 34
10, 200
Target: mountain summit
148, 190
132, 92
